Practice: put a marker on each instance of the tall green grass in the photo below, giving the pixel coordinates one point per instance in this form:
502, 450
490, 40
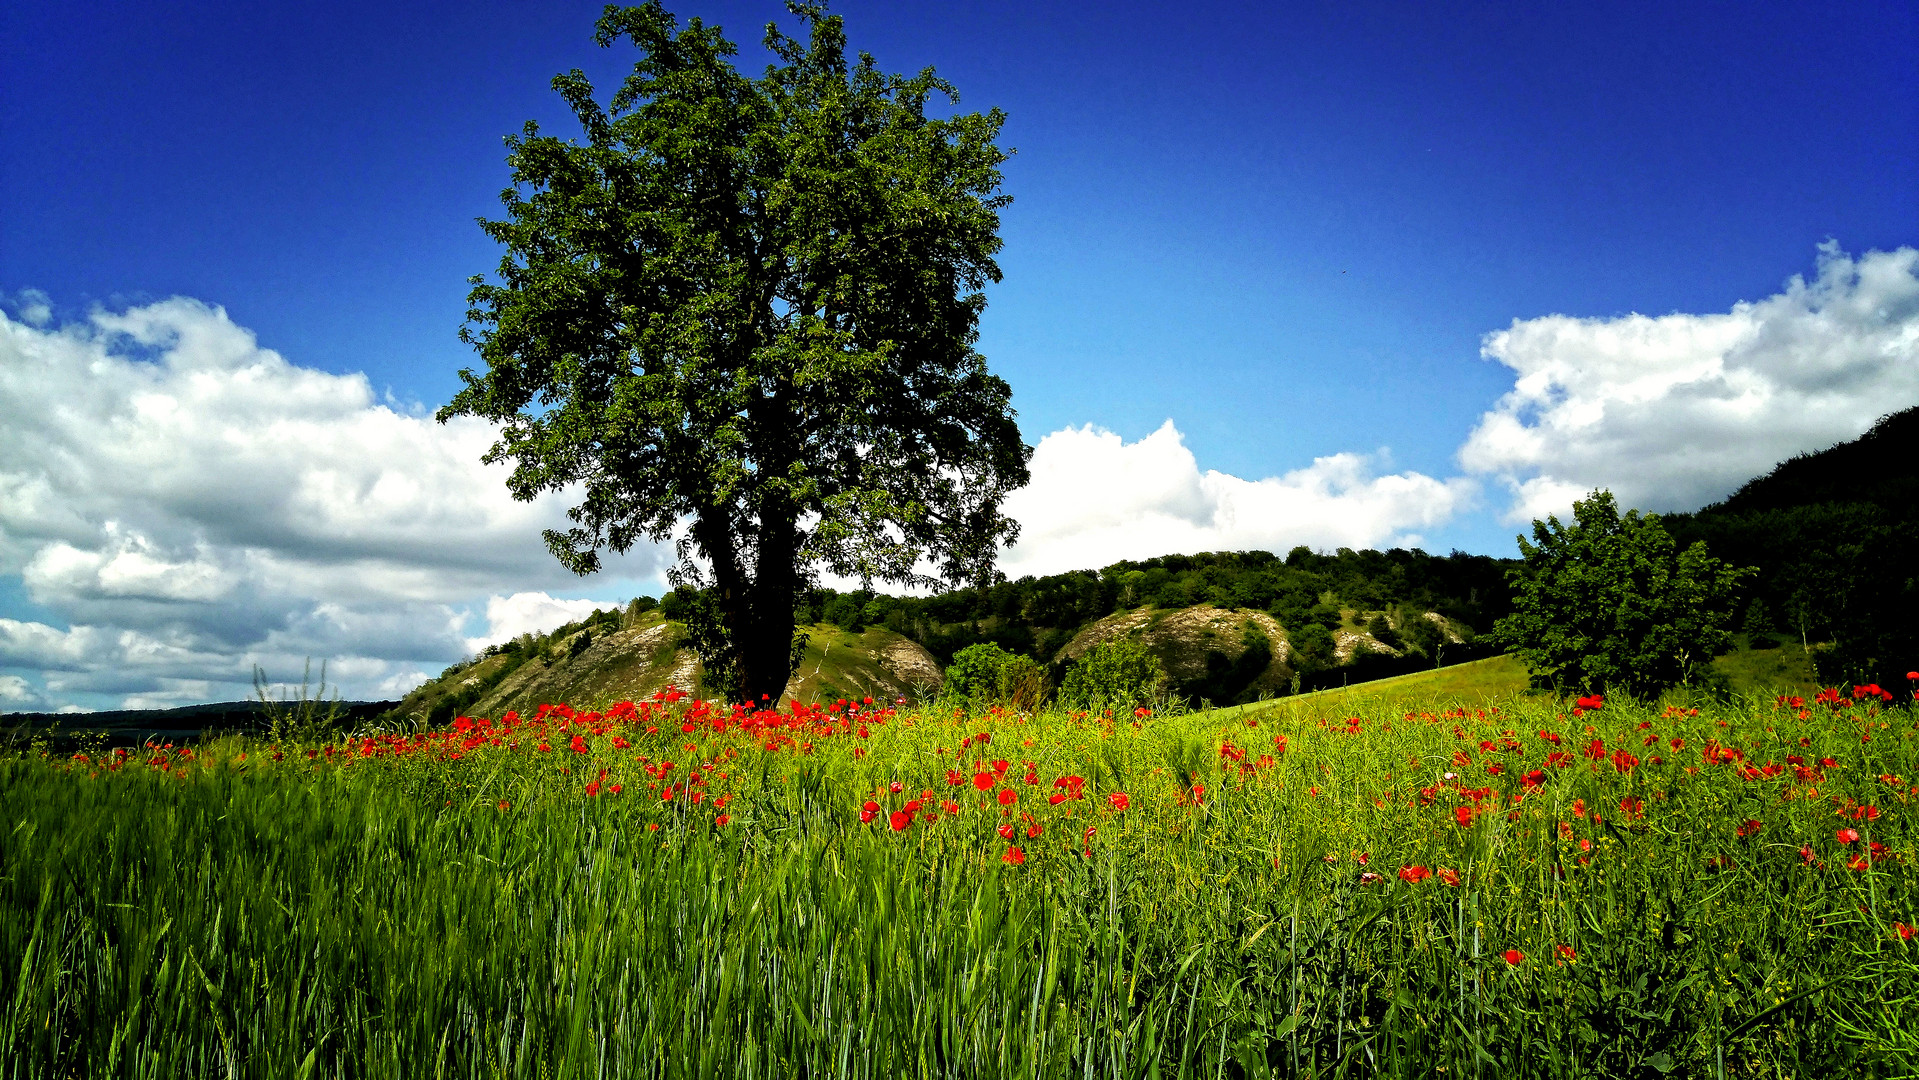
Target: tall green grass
483, 916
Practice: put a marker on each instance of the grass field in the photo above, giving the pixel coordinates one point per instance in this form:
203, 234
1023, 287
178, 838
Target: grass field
1393, 888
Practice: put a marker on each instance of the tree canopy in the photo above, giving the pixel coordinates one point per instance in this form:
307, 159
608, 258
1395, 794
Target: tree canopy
1610, 603
741, 313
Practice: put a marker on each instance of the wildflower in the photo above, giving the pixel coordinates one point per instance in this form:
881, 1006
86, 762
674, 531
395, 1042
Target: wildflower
1463, 815
984, 780
1533, 779
1450, 877
1905, 932
504, 805
722, 819
1007, 796
1847, 836
1749, 827
1514, 957
1034, 830
1006, 831
1015, 856
896, 787
1368, 878
1119, 800
869, 811
1413, 875
899, 820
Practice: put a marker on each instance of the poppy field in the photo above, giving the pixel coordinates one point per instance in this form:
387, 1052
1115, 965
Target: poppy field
1549, 888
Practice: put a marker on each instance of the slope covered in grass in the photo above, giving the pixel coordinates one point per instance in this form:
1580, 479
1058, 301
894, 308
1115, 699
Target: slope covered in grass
669, 891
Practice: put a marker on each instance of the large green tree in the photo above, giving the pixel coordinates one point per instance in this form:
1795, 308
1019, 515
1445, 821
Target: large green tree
1610, 603
742, 312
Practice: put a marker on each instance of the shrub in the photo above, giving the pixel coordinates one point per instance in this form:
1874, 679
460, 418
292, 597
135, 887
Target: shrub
974, 676
1312, 646
1114, 675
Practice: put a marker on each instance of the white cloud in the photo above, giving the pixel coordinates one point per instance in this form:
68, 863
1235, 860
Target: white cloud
528, 612
17, 692
1096, 499
191, 503
1674, 411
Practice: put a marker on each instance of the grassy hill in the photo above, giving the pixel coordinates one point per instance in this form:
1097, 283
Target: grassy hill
614, 657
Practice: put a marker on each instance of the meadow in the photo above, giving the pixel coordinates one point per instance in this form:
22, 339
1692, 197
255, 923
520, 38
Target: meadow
1312, 888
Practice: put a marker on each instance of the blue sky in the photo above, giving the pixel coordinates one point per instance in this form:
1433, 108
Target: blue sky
1287, 229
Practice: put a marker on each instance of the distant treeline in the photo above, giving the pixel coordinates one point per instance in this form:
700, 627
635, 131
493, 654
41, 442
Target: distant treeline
1835, 538
1036, 616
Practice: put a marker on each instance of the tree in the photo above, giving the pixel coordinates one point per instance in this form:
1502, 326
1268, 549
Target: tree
741, 313
1611, 604
1119, 674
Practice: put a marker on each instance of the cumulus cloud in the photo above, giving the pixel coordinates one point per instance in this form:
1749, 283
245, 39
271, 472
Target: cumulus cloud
528, 612
1096, 499
191, 503
1675, 411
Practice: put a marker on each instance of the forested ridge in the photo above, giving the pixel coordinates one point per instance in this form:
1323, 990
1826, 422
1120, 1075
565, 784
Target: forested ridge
1834, 536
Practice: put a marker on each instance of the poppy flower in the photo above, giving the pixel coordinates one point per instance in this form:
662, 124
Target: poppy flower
1007, 796
984, 780
1463, 815
1034, 830
1749, 827
1119, 800
1015, 856
1847, 836
1450, 877
1905, 932
722, 819
1413, 875
1566, 953
1514, 957
1006, 831
899, 820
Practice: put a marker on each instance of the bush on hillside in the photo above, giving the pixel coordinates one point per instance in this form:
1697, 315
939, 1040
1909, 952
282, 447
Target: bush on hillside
985, 674
1113, 675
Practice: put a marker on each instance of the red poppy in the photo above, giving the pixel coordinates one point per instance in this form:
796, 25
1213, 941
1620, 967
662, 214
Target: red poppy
1119, 800
1463, 815
1905, 932
1749, 827
1007, 796
1006, 831
1565, 952
1847, 836
722, 819
1514, 957
1033, 831
1413, 875
1450, 877
1015, 856
899, 819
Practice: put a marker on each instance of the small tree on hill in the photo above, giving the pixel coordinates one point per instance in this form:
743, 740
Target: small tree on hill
742, 311
1116, 675
1610, 604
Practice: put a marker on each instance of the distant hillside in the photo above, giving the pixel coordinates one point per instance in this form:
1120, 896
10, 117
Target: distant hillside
1835, 537
613, 656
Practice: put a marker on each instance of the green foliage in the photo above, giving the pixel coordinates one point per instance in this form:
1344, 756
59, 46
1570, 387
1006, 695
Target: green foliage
1118, 675
977, 676
1835, 538
1382, 631
749, 305
1313, 646
1610, 604
1228, 679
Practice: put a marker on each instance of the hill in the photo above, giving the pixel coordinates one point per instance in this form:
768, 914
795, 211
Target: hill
1834, 536
614, 656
